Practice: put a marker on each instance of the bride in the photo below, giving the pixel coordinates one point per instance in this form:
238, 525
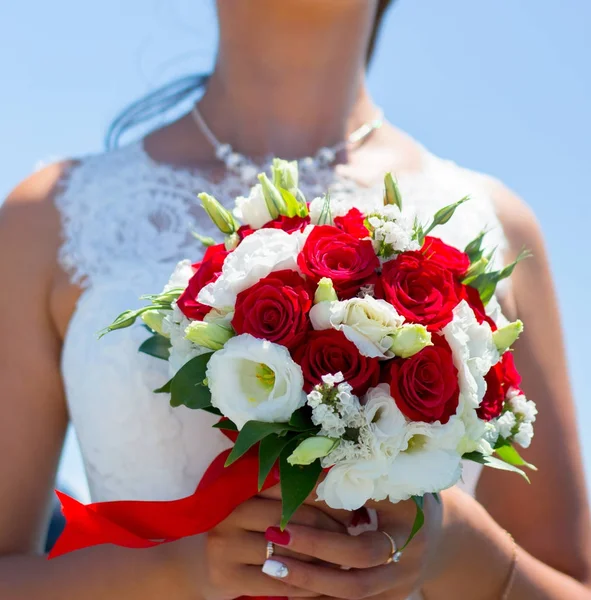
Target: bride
82, 239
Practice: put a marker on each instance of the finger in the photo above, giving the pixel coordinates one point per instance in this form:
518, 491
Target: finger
250, 581
258, 514
369, 549
246, 548
350, 585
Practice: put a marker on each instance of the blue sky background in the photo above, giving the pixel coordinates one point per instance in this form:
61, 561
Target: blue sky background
502, 87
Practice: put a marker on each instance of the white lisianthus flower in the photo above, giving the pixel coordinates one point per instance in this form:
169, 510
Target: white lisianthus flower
255, 380
350, 484
366, 322
430, 463
180, 276
253, 210
386, 421
421, 472
261, 253
474, 353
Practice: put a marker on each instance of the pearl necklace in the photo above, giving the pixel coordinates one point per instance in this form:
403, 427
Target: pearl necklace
246, 168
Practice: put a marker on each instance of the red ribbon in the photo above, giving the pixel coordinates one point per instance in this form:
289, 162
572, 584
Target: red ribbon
143, 524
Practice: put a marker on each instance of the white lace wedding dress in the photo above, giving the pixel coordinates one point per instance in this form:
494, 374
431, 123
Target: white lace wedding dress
126, 222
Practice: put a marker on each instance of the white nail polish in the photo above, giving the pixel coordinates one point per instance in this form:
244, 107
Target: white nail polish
274, 568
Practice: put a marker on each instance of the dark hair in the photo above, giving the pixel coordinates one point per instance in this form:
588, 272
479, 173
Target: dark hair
180, 90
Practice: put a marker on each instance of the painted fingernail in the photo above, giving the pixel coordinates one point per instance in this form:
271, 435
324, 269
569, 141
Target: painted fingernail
275, 535
274, 568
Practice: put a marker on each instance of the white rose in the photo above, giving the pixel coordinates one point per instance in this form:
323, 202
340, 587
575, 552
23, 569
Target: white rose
350, 484
474, 353
261, 253
255, 380
253, 210
366, 322
505, 424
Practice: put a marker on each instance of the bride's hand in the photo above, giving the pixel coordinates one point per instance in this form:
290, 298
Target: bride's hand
228, 560
365, 557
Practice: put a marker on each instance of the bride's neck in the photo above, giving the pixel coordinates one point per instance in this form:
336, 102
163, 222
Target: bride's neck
289, 77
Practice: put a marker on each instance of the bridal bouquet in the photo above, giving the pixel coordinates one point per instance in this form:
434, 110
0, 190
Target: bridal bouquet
344, 343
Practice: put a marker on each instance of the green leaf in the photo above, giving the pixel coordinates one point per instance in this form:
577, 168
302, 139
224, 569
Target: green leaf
269, 450
474, 248
188, 386
510, 455
250, 434
157, 346
226, 425
300, 421
418, 522
165, 389
495, 463
212, 410
486, 284
297, 482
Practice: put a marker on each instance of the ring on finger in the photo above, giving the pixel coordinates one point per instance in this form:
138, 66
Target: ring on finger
395, 554
270, 550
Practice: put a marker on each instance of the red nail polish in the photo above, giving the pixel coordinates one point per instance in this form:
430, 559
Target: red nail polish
275, 535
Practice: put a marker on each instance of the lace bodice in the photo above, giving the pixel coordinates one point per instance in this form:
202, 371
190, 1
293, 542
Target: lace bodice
126, 222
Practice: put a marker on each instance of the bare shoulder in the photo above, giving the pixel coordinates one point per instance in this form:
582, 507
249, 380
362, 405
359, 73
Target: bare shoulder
520, 225
29, 219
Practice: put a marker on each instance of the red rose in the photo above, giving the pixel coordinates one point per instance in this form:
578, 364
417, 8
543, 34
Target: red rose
446, 256
494, 398
425, 386
420, 290
328, 352
352, 223
275, 309
288, 224
208, 270
499, 380
349, 262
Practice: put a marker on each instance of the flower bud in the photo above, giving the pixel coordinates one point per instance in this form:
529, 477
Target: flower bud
221, 217
325, 291
476, 268
231, 242
208, 335
409, 340
153, 319
285, 173
391, 191
311, 449
275, 202
506, 336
